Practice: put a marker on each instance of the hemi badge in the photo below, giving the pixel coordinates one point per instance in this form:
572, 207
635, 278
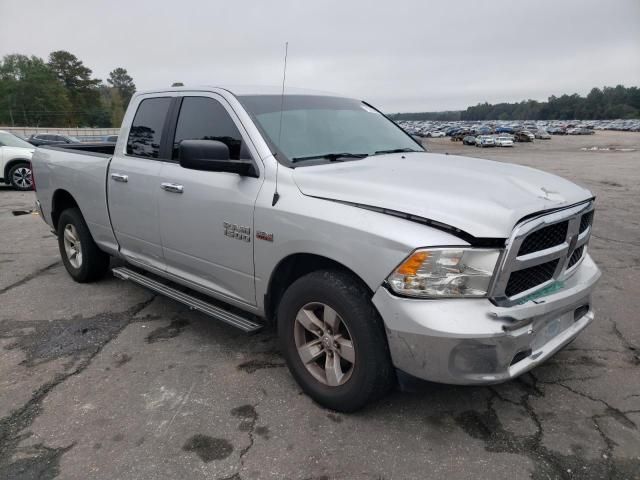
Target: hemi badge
264, 236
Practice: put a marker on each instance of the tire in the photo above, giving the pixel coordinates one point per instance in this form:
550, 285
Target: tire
370, 375
20, 176
89, 263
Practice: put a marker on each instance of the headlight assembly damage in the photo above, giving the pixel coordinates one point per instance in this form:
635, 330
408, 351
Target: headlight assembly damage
445, 272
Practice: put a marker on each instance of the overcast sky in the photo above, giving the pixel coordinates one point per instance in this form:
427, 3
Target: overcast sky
399, 55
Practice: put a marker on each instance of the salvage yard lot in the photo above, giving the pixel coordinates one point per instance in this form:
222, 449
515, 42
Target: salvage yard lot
108, 381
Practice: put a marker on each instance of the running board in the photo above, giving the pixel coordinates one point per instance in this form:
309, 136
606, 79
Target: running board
207, 308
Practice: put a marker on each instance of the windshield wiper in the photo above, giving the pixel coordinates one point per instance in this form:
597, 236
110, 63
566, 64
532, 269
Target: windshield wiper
332, 157
397, 150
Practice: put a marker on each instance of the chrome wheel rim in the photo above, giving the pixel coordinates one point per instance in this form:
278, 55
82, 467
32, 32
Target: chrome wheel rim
72, 246
324, 344
22, 177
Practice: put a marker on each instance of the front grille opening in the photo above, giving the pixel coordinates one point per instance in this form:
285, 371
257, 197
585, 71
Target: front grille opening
575, 256
544, 238
522, 280
586, 220
580, 312
520, 356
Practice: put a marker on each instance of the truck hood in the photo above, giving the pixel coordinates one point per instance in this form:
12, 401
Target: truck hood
481, 197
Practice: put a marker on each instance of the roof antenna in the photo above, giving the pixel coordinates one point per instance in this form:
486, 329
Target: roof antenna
276, 195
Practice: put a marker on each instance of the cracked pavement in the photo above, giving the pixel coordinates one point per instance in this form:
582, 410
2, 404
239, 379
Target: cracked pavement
109, 381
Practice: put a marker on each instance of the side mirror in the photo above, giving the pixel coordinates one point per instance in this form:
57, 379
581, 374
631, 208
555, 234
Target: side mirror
212, 156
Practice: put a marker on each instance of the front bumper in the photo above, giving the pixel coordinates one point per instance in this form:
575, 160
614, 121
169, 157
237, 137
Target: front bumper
473, 341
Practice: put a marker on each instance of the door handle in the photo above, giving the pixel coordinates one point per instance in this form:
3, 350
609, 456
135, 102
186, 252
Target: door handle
119, 177
172, 187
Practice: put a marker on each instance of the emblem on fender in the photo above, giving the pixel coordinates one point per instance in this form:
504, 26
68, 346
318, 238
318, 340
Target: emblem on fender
260, 235
237, 231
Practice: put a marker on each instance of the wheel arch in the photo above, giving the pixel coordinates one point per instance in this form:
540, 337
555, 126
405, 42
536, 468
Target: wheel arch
61, 201
294, 266
11, 163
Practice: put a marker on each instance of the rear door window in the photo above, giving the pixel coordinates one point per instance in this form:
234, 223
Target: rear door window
203, 118
146, 130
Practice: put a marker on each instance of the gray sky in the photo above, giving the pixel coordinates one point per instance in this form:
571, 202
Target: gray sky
400, 55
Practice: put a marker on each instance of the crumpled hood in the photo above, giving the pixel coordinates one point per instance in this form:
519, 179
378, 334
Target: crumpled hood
481, 197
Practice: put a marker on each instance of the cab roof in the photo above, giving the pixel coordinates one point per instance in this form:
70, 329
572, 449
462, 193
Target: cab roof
241, 90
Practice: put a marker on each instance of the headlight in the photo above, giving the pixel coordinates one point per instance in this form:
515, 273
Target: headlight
445, 272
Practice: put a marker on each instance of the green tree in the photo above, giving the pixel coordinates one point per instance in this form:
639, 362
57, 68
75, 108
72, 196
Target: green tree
82, 90
123, 83
113, 104
30, 95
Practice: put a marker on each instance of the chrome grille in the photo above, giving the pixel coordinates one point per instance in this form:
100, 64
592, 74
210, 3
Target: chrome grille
575, 256
586, 220
542, 250
546, 237
527, 278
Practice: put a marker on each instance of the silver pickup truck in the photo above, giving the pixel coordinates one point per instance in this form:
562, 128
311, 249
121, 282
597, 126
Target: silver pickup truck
316, 214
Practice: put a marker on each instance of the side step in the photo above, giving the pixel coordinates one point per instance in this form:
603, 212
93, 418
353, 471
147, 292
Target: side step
207, 308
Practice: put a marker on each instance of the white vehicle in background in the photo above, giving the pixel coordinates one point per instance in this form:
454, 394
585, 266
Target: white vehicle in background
542, 135
485, 141
504, 142
436, 134
15, 161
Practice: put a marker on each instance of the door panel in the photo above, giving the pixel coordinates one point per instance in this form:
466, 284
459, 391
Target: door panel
133, 184
193, 229
133, 206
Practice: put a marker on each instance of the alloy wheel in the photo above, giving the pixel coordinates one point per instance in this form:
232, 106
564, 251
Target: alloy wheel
324, 344
72, 246
22, 177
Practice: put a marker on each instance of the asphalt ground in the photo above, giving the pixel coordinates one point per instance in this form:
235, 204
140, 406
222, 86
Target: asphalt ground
108, 381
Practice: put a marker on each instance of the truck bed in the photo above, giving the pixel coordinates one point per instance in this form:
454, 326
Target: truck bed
77, 171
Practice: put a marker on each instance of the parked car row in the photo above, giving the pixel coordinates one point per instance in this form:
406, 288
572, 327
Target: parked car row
489, 140
471, 138
571, 131
458, 132
541, 129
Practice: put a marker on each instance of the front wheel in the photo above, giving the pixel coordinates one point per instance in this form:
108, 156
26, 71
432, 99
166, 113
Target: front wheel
21, 177
334, 341
82, 258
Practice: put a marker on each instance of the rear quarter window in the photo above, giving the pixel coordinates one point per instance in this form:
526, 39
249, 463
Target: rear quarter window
146, 129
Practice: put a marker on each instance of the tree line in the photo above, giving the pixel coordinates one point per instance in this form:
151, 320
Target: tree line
599, 104
60, 92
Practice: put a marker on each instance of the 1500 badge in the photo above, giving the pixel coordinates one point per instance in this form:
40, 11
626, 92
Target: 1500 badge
237, 231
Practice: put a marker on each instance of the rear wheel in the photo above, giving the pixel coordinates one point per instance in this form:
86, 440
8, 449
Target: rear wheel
20, 176
334, 341
82, 258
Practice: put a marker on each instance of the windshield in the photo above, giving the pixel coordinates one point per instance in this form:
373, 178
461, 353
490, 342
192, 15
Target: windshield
329, 128
9, 140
